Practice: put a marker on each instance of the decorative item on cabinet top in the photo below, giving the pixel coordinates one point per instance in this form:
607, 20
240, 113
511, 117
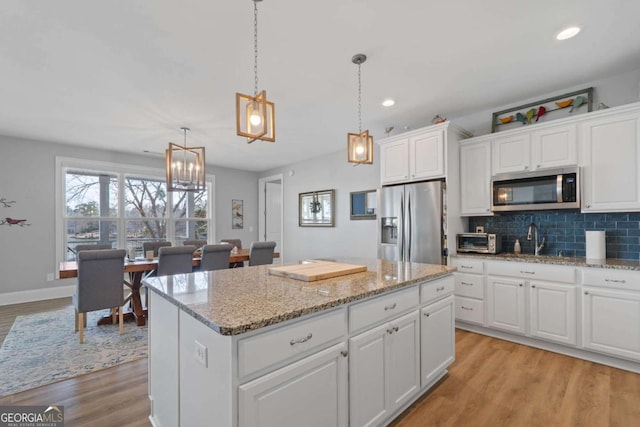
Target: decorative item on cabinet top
558, 106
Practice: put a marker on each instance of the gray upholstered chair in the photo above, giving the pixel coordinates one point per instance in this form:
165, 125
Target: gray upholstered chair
197, 243
92, 246
100, 279
153, 246
215, 257
261, 253
175, 260
238, 244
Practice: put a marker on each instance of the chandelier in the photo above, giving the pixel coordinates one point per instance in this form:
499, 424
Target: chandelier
359, 145
255, 115
185, 167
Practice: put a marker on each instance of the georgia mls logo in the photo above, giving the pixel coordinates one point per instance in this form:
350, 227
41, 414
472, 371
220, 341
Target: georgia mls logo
32, 416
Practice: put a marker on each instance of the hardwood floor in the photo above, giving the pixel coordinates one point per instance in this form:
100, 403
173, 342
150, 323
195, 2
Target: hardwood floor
492, 383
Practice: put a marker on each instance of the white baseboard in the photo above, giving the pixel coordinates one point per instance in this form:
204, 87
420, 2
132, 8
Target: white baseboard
36, 295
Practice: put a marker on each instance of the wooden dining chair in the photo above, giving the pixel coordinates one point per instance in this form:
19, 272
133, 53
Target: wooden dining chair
100, 279
195, 242
175, 260
238, 244
153, 246
215, 257
261, 253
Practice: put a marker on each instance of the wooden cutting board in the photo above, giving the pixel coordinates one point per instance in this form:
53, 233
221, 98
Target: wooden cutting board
316, 270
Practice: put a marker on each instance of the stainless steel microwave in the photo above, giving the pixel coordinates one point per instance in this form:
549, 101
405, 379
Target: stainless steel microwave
479, 243
538, 190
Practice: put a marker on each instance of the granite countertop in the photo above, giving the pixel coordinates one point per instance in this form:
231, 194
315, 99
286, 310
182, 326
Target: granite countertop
238, 300
617, 264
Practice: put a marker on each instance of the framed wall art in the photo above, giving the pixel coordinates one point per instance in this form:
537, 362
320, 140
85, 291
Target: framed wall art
237, 214
316, 208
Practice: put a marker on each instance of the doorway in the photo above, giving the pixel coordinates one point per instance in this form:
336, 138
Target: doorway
270, 219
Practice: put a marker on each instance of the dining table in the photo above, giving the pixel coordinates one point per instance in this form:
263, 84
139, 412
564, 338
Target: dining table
137, 269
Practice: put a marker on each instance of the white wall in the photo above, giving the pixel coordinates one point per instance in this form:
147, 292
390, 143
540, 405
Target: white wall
348, 238
27, 171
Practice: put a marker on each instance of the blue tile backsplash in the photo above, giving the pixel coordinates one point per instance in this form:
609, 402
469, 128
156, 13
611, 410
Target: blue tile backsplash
564, 231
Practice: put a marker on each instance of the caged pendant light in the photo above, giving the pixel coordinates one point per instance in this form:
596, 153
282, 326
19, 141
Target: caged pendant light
360, 145
255, 116
185, 167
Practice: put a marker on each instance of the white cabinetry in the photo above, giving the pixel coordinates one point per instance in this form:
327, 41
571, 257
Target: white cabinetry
312, 391
505, 308
469, 290
610, 155
611, 312
553, 312
547, 147
437, 337
384, 369
417, 157
475, 179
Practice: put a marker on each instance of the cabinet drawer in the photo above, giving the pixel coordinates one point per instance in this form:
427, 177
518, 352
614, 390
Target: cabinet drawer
270, 348
524, 270
469, 285
368, 313
466, 265
469, 310
436, 289
609, 278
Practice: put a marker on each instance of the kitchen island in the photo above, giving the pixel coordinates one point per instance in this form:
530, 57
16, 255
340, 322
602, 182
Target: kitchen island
242, 347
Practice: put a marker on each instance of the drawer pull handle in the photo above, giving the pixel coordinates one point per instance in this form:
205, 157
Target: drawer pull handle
533, 286
390, 307
586, 293
301, 340
465, 266
389, 331
395, 329
465, 283
344, 353
440, 289
527, 272
615, 280
426, 314
466, 308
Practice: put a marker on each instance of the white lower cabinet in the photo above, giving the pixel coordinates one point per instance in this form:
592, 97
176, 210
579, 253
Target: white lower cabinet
611, 322
384, 369
552, 313
312, 391
437, 339
506, 304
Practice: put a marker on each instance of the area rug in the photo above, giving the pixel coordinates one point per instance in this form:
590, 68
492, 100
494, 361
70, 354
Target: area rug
43, 348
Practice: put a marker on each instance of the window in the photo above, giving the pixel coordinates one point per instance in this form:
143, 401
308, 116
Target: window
120, 206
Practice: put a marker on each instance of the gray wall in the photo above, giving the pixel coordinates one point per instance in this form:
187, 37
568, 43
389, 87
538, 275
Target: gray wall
27, 171
349, 238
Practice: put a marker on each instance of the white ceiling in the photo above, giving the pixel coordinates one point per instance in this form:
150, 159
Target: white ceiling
126, 75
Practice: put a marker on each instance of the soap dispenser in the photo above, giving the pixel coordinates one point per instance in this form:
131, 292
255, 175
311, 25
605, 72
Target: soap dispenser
516, 247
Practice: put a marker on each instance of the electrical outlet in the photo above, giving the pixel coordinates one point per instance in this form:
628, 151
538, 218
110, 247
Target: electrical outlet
50, 277
201, 353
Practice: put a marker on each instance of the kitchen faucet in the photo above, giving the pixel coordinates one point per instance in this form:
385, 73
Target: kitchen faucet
534, 229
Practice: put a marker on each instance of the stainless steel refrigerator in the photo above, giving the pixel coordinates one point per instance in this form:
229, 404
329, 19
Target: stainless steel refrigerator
410, 222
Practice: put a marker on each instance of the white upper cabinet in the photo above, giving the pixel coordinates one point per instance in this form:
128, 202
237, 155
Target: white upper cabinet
394, 161
511, 153
475, 179
610, 157
417, 157
549, 147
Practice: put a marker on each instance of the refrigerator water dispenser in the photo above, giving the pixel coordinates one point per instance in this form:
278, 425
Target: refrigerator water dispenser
389, 230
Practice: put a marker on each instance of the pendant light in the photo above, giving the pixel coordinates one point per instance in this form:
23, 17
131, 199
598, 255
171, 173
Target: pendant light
255, 116
360, 145
185, 167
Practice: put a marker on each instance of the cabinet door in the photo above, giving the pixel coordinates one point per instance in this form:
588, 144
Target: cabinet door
554, 147
310, 392
553, 312
611, 173
403, 359
511, 154
394, 161
611, 322
426, 155
367, 384
475, 179
505, 303
437, 339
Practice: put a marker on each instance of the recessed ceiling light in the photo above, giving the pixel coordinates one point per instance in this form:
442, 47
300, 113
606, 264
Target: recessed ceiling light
568, 33
388, 102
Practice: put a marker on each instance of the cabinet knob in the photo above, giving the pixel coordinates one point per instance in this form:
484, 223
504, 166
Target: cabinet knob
537, 166
395, 329
344, 353
487, 210
520, 284
586, 293
526, 167
587, 206
533, 286
426, 314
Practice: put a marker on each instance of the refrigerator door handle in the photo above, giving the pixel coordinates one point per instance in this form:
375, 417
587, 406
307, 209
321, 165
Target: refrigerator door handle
409, 221
401, 233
